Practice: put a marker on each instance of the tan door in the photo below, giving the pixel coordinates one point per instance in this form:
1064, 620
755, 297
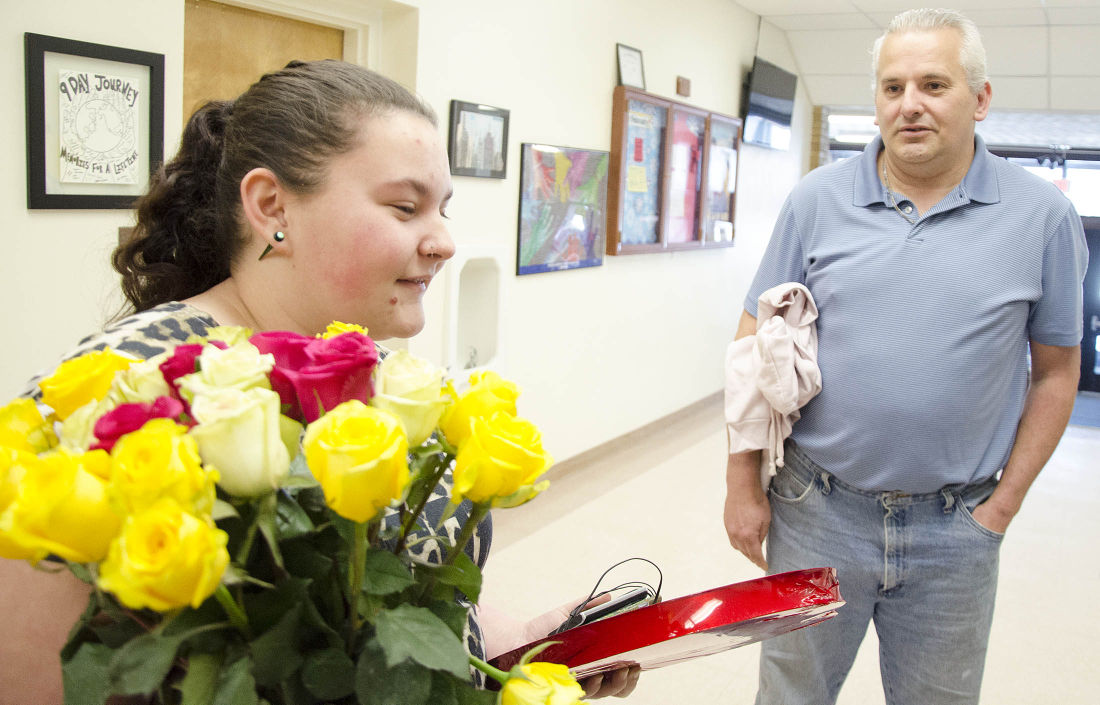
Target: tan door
226, 49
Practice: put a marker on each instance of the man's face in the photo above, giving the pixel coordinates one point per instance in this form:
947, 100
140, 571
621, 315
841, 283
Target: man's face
923, 106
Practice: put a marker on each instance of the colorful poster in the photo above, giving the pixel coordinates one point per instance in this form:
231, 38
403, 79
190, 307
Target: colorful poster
563, 208
98, 128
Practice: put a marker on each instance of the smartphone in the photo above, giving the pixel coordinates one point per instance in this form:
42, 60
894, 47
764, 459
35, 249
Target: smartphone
629, 600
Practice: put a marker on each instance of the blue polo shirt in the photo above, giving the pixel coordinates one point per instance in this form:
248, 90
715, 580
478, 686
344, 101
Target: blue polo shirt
923, 330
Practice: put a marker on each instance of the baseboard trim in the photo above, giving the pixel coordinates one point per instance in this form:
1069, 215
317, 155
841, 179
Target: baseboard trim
631, 440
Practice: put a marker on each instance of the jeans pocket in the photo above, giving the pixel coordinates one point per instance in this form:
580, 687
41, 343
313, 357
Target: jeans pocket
791, 487
965, 509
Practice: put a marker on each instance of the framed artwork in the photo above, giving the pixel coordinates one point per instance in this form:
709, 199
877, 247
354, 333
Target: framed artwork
478, 144
672, 177
562, 208
631, 68
95, 122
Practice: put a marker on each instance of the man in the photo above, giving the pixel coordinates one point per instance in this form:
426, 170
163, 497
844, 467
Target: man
936, 268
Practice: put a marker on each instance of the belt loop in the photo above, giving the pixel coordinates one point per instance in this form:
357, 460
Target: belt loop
948, 500
826, 488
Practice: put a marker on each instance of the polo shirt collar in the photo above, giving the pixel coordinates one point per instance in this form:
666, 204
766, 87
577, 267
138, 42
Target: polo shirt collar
979, 184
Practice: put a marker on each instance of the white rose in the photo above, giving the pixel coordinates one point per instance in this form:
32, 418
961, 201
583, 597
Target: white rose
238, 433
409, 387
141, 383
240, 366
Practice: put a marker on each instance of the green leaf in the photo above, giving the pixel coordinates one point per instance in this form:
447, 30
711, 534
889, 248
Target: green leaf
201, 680
385, 573
290, 519
466, 694
453, 615
236, 686
275, 654
329, 674
141, 664
375, 684
300, 558
463, 575
265, 521
408, 632
85, 675
443, 690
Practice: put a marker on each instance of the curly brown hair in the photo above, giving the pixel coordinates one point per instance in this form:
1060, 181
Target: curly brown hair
293, 121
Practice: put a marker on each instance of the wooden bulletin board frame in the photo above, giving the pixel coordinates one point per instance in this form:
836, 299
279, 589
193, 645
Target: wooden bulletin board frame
662, 175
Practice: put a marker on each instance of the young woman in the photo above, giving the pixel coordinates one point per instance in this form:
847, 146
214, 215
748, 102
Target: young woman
319, 194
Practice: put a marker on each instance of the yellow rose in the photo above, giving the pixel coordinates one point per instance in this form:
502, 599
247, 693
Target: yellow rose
23, 428
165, 558
160, 460
62, 506
540, 683
141, 383
80, 380
488, 394
238, 433
500, 462
337, 328
410, 388
12, 469
241, 366
360, 457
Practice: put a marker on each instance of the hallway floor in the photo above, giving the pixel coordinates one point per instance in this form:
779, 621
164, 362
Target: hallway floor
659, 493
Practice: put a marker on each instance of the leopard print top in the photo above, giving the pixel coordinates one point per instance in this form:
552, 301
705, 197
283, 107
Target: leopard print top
162, 328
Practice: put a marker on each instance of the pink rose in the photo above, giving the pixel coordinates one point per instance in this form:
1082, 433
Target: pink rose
314, 375
127, 418
182, 362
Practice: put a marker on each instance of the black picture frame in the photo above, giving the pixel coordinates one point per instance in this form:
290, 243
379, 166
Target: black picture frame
478, 140
104, 175
631, 66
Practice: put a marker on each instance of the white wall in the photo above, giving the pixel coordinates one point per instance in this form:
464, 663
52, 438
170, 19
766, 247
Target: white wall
55, 282
598, 351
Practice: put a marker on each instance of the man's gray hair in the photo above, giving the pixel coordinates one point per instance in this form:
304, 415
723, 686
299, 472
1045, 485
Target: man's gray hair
971, 52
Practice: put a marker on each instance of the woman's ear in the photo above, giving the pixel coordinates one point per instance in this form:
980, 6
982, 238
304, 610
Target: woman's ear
263, 202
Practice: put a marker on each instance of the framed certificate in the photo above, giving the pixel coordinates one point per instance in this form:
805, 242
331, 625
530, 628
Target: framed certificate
631, 69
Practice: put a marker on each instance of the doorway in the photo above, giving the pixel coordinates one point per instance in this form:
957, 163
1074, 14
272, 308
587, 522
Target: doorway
1090, 342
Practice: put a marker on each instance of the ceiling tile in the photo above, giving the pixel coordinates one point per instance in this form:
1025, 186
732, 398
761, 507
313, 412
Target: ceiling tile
842, 20
1074, 15
847, 51
1016, 51
1074, 51
796, 7
840, 90
1019, 93
1078, 93
1007, 17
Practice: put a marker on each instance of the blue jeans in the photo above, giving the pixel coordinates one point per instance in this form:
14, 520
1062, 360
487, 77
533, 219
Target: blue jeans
919, 566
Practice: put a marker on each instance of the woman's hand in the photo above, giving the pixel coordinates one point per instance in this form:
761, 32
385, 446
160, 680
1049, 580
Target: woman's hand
504, 633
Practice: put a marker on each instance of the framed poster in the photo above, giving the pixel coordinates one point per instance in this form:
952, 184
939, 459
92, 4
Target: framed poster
562, 208
478, 144
95, 122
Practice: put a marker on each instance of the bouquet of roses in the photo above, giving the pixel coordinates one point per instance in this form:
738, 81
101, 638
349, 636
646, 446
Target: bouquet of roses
255, 515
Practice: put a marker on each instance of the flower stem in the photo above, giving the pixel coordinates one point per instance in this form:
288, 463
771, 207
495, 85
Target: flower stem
495, 673
358, 561
476, 515
410, 518
237, 617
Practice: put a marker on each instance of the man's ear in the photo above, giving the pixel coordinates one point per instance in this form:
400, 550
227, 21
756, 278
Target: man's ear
985, 95
263, 202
